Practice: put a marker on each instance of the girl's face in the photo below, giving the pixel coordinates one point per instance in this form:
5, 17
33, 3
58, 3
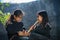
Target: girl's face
18, 18
39, 18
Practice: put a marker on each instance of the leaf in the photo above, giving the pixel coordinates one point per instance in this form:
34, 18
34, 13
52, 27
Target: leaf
2, 7
0, 3
4, 18
7, 4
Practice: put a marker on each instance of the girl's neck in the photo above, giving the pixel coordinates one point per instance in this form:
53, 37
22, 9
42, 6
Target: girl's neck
14, 20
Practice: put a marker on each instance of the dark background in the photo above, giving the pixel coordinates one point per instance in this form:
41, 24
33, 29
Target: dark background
30, 10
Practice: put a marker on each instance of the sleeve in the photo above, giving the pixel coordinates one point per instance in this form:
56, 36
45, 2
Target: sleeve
10, 29
14, 28
48, 28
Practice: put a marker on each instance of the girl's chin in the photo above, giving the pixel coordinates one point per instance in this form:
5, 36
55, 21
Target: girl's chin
18, 21
39, 21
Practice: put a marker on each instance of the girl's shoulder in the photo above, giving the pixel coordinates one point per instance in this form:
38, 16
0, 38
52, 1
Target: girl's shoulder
48, 26
9, 23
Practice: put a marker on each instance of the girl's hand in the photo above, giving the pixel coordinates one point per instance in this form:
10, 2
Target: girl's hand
23, 33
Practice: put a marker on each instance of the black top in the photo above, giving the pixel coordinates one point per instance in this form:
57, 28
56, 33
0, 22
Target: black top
40, 30
13, 28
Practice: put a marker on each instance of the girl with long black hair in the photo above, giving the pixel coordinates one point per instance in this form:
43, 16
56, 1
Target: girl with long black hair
42, 28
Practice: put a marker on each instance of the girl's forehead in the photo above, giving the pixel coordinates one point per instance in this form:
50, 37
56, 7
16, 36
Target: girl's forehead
39, 16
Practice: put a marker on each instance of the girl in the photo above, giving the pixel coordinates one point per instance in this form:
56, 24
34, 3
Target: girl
42, 28
15, 26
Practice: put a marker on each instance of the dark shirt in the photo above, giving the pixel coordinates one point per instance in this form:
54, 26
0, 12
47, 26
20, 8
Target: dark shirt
13, 28
40, 30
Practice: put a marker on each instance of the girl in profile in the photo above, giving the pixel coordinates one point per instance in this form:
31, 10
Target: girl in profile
43, 27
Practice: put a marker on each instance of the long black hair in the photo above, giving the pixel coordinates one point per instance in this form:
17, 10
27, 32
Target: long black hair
45, 17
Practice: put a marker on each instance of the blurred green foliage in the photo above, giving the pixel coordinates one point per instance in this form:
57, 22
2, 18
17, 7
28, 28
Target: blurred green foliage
4, 16
7, 4
2, 5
